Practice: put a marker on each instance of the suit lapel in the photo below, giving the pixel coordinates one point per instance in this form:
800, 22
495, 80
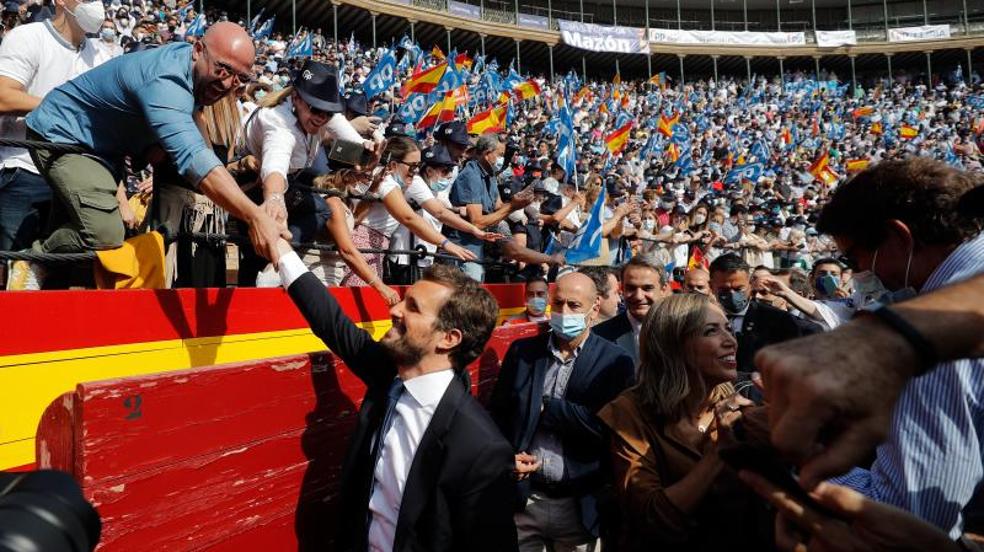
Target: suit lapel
535, 398
580, 377
426, 466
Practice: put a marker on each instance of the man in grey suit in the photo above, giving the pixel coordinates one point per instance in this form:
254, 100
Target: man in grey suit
643, 284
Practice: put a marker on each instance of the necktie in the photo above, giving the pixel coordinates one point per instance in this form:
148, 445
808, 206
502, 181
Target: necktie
392, 397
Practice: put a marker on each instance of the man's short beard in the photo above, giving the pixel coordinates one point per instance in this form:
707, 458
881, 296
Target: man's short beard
403, 352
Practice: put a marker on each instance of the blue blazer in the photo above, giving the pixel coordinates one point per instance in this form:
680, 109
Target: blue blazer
602, 371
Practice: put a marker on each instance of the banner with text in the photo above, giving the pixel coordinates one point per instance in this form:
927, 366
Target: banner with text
464, 10
737, 38
536, 21
599, 38
833, 39
925, 32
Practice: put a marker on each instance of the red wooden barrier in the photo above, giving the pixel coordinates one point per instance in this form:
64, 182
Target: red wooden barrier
236, 457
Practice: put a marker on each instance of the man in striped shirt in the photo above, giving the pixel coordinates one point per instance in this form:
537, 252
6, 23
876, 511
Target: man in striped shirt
899, 224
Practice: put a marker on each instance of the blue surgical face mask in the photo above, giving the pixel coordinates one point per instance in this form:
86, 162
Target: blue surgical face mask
733, 301
441, 184
399, 180
827, 284
499, 163
568, 326
536, 305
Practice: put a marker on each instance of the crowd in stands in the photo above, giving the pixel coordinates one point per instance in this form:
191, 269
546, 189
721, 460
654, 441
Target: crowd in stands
684, 227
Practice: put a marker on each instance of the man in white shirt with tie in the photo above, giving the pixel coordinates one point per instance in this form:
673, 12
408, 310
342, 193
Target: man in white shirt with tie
426, 469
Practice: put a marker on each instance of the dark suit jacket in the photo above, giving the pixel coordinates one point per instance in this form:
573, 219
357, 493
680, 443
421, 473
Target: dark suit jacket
460, 490
618, 330
602, 370
766, 325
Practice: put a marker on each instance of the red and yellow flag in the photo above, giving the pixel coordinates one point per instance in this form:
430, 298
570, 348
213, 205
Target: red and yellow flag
581, 94
490, 120
697, 259
527, 89
615, 142
462, 60
424, 82
876, 129
820, 169
907, 132
441, 111
857, 165
666, 124
787, 137
673, 152
438, 53
865, 111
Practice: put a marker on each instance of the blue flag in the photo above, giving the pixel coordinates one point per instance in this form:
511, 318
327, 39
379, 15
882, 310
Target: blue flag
413, 108
586, 244
303, 48
197, 27
266, 29
761, 151
382, 77
751, 171
252, 24
566, 144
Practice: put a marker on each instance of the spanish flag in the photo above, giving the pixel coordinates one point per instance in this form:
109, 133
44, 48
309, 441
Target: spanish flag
527, 89
462, 61
616, 141
625, 101
581, 94
666, 124
441, 111
857, 165
697, 259
602, 108
617, 94
424, 82
787, 137
876, 129
820, 169
673, 152
617, 80
460, 95
865, 111
490, 120
659, 79
907, 132
436, 52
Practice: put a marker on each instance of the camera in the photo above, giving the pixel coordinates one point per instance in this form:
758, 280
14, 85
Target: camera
45, 510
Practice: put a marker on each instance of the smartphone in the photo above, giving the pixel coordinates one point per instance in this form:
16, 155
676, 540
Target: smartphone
349, 153
765, 461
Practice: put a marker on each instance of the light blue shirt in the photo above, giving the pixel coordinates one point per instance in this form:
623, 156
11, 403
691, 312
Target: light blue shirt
932, 460
128, 104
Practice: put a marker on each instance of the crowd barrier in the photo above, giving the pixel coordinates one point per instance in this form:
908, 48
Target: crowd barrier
230, 457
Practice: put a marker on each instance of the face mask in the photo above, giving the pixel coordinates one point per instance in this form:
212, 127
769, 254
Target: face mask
441, 184
666, 206
869, 289
568, 326
827, 284
700, 219
89, 15
107, 34
399, 180
536, 306
733, 301
499, 163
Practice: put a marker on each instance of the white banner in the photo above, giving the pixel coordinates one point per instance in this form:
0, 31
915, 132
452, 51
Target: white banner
537, 21
464, 10
832, 39
743, 38
599, 38
925, 32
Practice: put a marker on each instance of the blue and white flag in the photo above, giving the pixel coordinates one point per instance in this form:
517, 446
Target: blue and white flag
751, 171
413, 108
252, 24
197, 27
586, 244
266, 29
382, 77
450, 80
303, 48
567, 144
761, 151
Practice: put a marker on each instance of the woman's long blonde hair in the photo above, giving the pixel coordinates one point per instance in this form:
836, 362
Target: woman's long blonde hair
221, 124
668, 386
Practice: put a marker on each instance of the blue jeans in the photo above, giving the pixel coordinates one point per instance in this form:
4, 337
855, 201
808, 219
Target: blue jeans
24, 197
475, 271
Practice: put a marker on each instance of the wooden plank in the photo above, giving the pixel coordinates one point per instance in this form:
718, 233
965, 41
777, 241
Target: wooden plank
57, 435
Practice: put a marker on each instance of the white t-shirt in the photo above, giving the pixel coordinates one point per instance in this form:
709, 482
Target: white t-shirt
39, 58
419, 192
378, 218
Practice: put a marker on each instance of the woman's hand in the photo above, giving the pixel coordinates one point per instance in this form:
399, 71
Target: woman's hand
389, 295
129, 217
274, 205
726, 413
487, 236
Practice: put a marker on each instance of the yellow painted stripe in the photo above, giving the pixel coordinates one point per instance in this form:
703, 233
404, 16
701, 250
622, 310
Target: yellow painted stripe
16, 454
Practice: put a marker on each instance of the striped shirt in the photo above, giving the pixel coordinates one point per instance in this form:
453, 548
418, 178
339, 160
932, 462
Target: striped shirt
932, 460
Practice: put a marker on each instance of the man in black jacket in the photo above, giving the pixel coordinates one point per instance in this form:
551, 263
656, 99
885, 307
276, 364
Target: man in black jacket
545, 400
643, 284
426, 469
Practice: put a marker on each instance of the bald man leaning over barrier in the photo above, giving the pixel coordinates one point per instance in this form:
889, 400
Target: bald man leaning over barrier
142, 105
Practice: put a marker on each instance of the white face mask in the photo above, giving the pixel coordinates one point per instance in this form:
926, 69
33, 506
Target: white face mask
700, 219
869, 289
89, 15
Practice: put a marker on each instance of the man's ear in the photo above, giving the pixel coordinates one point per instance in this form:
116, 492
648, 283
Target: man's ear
898, 230
451, 339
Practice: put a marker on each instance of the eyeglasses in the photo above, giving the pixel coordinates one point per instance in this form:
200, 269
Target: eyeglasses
224, 70
412, 167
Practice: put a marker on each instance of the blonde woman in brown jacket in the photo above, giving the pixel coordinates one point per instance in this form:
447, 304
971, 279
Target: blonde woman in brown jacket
674, 492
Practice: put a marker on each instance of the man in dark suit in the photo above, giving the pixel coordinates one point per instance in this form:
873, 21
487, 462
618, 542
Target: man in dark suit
545, 400
755, 324
642, 285
426, 468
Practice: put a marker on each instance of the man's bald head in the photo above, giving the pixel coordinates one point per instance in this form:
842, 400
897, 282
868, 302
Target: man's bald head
223, 60
697, 280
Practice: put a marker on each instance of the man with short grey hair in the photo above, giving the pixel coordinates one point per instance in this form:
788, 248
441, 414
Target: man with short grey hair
477, 191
